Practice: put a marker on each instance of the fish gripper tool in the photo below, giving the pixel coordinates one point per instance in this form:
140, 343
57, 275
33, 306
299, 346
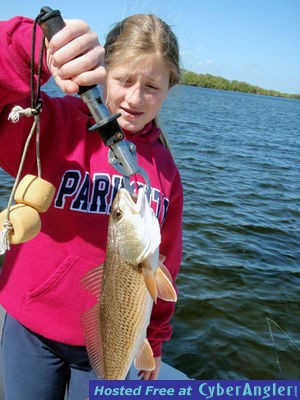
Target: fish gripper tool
122, 153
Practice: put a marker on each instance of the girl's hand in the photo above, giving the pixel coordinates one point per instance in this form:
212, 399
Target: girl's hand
151, 375
75, 57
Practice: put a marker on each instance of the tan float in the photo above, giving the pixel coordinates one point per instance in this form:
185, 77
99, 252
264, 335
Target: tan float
35, 192
25, 220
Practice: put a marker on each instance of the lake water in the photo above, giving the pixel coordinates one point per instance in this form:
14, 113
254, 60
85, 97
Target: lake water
238, 313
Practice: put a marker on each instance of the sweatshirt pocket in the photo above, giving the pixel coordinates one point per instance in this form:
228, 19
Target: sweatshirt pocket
54, 279
54, 308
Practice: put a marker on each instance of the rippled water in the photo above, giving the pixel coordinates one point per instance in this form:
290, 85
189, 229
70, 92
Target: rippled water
238, 314
238, 310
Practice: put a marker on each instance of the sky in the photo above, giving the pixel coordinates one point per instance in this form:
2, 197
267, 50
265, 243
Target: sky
254, 41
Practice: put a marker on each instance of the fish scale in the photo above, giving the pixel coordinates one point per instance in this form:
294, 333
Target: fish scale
127, 316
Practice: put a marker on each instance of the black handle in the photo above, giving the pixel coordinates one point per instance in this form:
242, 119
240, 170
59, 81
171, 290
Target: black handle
52, 22
107, 126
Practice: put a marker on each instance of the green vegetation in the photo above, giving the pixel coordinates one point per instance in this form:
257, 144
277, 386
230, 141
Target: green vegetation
218, 82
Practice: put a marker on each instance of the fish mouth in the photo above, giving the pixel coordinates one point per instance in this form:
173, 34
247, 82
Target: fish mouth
139, 229
134, 198
135, 201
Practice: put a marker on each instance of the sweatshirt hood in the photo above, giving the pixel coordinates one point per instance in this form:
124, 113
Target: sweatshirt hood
148, 135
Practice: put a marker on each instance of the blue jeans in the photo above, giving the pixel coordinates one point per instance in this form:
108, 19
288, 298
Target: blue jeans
38, 368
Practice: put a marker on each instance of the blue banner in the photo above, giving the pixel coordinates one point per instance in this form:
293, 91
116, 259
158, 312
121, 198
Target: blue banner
195, 390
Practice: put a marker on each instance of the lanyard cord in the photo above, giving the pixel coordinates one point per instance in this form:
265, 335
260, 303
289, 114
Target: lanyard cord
36, 102
17, 111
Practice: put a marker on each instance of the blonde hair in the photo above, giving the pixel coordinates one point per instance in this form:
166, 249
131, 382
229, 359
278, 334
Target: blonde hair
139, 35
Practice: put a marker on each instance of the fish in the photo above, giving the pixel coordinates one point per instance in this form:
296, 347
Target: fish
126, 285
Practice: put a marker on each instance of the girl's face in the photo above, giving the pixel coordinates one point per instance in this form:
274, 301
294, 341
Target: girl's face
137, 91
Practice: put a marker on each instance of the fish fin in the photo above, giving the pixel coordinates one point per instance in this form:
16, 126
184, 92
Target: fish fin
93, 342
165, 270
165, 288
150, 282
92, 280
144, 360
162, 258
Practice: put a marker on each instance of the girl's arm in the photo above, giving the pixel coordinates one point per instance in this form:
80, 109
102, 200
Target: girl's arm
159, 329
74, 57
15, 59
61, 59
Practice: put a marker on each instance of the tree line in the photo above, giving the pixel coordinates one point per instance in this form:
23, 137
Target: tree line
218, 82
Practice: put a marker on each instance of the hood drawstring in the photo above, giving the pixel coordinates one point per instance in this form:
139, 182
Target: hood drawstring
148, 136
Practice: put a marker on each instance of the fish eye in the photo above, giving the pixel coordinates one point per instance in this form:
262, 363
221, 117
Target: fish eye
118, 213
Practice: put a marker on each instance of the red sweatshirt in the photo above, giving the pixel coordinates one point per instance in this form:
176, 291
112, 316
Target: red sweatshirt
40, 280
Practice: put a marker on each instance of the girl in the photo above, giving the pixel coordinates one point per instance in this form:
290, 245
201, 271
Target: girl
43, 349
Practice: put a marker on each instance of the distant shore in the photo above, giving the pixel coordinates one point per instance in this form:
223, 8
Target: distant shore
218, 82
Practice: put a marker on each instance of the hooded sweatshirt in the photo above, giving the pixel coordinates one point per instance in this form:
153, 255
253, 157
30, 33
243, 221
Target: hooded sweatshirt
40, 279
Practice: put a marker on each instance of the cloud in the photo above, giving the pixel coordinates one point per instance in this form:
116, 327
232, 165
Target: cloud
195, 64
202, 63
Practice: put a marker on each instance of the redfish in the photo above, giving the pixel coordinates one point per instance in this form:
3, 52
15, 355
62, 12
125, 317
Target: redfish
128, 282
